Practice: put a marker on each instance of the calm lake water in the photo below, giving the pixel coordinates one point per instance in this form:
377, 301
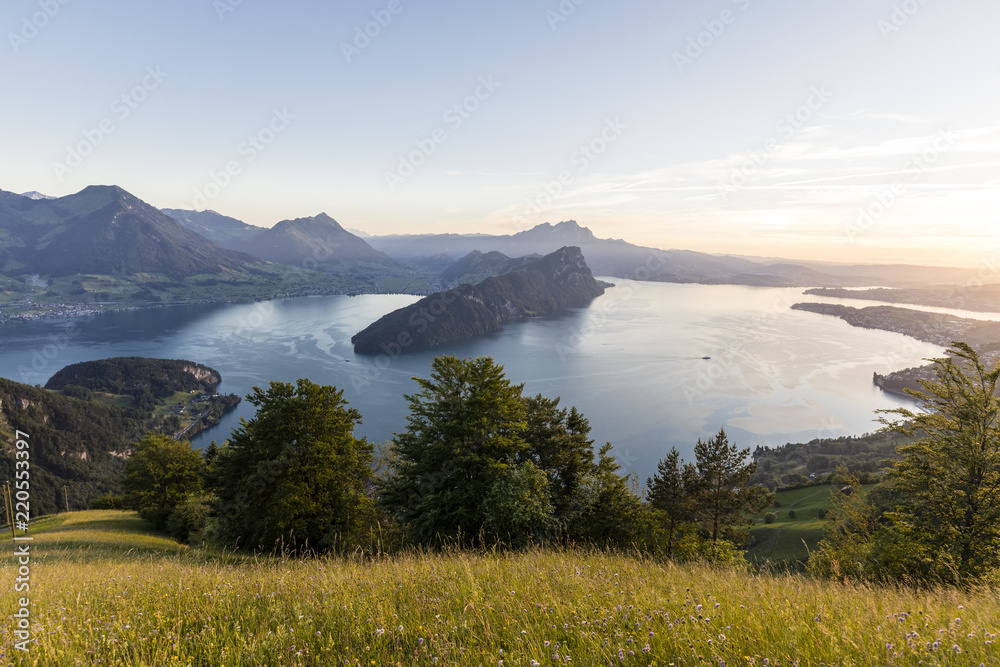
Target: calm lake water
633, 362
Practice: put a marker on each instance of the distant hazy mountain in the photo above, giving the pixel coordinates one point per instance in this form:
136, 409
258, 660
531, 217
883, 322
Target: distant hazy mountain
227, 232
478, 266
320, 240
35, 195
103, 230
561, 279
610, 257
615, 257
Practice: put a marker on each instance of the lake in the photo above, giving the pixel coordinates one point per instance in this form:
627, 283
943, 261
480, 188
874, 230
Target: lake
633, 362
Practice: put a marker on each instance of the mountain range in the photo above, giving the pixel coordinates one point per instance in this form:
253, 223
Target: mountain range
318, 242
103, 230
621, 259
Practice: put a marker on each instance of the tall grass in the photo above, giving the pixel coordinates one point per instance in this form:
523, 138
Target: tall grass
104, 592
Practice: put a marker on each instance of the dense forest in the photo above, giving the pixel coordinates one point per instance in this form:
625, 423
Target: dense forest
145, 380
75, 443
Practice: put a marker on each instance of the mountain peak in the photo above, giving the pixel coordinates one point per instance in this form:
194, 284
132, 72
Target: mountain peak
95, 197
36, 195
567, 230
317, 239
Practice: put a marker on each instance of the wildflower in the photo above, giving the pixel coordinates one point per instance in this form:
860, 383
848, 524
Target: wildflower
956, 648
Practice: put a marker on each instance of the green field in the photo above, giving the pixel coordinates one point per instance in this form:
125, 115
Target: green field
788, 541
104, 590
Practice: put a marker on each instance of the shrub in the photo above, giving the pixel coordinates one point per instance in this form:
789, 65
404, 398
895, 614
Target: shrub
109, 502
791, 514
187, 521
770, 517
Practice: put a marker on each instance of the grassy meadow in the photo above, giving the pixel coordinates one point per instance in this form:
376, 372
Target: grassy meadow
788, 541
106, 591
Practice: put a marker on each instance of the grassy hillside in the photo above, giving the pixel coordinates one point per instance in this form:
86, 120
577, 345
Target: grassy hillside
104, 590
788, 541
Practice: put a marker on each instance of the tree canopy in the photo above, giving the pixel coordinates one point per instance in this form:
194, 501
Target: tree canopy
159, 475
464, 434
294, 476
709, 500
479, 460
949, 478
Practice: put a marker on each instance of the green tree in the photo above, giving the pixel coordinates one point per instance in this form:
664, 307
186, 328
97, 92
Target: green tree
671, 490
294, 475
559, 444
518, 507
723, 495
606, 510
949, 477
844, 553
159, 475
464, 429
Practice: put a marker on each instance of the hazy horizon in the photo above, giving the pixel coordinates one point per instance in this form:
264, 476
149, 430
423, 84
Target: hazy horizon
861, 132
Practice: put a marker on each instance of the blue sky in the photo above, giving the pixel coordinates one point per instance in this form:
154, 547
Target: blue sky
856, 130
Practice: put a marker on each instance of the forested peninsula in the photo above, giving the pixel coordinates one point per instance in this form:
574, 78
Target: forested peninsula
559, 280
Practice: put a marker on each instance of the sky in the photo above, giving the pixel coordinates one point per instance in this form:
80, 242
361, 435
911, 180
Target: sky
847, 130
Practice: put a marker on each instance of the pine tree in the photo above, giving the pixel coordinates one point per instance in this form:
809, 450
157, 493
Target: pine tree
723, 496
464, 435
671, 491
559, 444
